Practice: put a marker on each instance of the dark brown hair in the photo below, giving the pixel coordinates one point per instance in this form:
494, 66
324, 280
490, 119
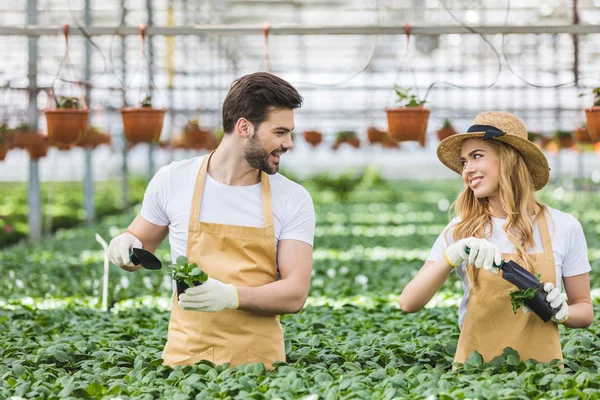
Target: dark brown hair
255, 96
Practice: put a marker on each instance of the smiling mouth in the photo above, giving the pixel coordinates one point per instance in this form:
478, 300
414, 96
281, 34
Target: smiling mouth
475, 181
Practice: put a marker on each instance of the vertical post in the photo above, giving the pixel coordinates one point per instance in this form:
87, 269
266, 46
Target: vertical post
124, 183
34, 198
152, 146
88, 180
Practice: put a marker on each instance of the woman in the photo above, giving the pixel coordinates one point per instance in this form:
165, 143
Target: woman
499, 218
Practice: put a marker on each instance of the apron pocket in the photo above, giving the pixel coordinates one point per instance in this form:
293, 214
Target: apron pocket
253, 356
208, 354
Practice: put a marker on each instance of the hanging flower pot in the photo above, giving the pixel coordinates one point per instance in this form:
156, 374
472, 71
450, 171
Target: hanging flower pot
346, 137
375, 135
446, 130
143, 124
39, 149
3, 150
313, 138
94, 138
409, 121
592, 115
582, 135
35, 143
564, 139
67, 124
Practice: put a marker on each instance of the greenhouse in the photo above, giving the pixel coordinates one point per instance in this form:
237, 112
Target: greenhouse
299, 199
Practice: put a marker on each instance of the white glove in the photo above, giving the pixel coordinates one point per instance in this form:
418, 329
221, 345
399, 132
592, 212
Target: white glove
119, 248
482, 254
557, 300
211, 296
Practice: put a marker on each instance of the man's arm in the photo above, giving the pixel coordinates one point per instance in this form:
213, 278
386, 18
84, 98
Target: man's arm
150, 235
287, 295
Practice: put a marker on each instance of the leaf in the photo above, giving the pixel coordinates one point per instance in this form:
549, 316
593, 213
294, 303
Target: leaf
96, 389
475, 359
182, 260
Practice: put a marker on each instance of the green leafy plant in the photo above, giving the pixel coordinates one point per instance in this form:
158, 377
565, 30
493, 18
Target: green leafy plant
67, 103
406, 99
187, 272
596, 92
533, 136
147, 102
518, 297
344, 136
565, 134
447, 124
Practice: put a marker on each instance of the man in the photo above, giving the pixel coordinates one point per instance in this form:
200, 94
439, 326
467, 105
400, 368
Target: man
250, 229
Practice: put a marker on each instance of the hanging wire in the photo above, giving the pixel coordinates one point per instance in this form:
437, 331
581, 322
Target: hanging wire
472, 30
572, 82
365, 68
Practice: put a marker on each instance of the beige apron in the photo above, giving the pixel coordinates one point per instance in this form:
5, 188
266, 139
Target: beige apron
490, 324
242, 256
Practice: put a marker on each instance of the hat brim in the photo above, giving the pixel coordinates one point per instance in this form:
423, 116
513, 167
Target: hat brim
448, 151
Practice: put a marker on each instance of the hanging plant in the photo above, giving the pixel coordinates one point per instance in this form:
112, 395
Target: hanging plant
408, 122
66, 116
94, 138
446, 130
313, 138
593, 116
349, 137
143, 124
564, 139
375, 135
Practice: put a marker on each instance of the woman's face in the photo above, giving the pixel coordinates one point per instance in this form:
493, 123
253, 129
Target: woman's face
480, 167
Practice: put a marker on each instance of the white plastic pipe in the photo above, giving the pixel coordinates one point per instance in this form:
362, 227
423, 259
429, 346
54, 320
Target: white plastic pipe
105, 281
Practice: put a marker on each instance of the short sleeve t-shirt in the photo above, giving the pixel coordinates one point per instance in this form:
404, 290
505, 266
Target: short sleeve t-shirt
568, 245
168, 200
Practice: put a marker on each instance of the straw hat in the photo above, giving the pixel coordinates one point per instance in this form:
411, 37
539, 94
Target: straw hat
504, 127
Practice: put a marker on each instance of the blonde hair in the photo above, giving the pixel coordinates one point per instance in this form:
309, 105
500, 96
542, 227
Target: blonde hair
517, 196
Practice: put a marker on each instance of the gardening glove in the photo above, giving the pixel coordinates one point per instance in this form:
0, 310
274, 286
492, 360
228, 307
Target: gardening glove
119, 249
211, 296
482, 253
557, 300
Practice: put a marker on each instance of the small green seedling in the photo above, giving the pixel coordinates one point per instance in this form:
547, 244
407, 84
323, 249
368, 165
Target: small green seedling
187, 272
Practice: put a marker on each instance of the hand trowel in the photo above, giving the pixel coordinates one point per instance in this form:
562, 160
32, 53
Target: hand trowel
148, 260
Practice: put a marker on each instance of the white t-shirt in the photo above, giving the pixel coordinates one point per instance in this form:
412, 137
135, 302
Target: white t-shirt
168, 200
568, 245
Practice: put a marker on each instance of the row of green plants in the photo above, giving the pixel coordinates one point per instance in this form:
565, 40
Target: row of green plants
350, 342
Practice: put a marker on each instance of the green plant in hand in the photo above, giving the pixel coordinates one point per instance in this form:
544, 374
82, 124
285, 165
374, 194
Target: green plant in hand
189, 273
518, 297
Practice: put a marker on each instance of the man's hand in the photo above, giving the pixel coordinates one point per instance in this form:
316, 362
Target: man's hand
211, 296
119, 249
482, 253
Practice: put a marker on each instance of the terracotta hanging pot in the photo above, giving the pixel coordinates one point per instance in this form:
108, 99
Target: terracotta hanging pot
66, 126
314, 138
565, 141
582, 135
592, 115
39, 149
3, 150
94, 138
376, 135
407, 123
36, 144
445, 131
143, 124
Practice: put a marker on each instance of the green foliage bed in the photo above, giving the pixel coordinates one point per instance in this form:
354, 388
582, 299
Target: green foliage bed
350, 342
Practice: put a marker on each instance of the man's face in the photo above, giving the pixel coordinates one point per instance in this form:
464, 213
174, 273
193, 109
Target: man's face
273, 138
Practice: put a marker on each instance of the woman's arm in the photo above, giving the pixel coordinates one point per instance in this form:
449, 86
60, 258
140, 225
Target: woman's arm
423, 286
581, 311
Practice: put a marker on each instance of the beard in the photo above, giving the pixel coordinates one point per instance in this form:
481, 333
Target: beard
258, 157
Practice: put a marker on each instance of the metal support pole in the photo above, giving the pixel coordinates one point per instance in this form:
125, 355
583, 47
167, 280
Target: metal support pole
124, 183
34, 197
88, 181
152, 146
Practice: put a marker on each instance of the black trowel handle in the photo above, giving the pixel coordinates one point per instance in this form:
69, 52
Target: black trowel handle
133, 258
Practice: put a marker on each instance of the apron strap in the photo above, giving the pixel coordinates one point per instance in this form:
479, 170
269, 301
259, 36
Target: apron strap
194, 222
545, 234
266, 200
